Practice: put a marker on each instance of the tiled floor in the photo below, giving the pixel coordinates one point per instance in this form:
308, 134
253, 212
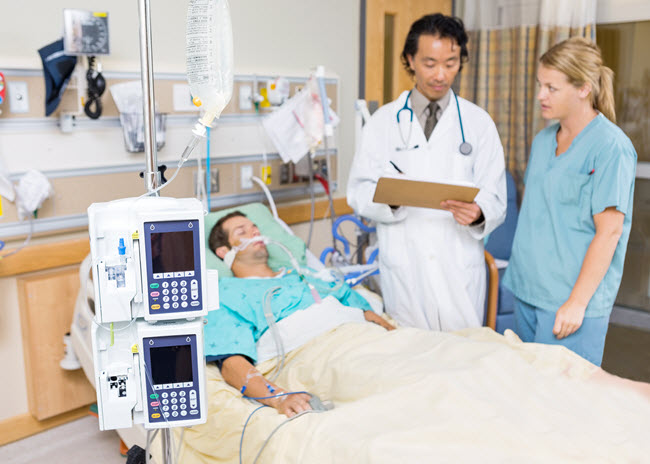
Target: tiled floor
78, 442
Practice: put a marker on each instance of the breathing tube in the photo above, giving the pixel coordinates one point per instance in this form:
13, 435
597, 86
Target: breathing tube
229, 258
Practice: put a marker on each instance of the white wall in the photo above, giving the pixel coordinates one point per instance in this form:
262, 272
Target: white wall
621, 11
285, 37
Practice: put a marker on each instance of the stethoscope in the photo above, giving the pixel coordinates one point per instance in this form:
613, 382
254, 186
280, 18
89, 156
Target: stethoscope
465, 148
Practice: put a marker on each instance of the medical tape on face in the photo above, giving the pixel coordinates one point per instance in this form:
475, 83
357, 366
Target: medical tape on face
229, 258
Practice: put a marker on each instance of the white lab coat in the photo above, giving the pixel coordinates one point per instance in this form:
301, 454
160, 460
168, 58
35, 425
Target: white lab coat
432, 269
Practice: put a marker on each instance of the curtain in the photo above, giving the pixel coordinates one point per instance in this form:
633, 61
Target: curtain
506, 39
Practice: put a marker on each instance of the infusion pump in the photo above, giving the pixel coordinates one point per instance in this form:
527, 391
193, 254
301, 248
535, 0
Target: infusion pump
151, 293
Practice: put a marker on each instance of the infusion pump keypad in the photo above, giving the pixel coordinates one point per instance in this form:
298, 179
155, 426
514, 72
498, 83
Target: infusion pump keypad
174, 292
177, 401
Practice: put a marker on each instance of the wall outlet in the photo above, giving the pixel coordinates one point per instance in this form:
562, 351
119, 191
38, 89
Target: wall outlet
214, 182
18, 97
246, 174
245, 97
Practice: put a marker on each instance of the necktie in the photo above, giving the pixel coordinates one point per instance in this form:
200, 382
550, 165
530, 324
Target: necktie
431, 121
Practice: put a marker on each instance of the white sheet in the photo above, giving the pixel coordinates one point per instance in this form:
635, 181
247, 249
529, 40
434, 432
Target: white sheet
302, 326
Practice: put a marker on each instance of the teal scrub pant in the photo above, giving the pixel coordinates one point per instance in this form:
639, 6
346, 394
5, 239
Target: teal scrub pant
536, 325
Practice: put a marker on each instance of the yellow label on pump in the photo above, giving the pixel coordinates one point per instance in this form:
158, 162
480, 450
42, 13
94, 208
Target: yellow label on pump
100, 14
135, 349
135, 235
266, 175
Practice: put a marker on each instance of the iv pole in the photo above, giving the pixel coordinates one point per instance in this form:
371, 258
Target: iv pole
151, 175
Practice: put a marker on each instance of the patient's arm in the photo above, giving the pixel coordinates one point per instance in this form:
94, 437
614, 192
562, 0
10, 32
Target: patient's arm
371, 316
234, 371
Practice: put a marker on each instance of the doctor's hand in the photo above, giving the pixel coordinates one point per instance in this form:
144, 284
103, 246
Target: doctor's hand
372, 316
290, 405
568, 319
464, 213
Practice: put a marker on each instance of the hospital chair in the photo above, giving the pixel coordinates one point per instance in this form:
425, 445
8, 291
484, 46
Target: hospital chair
499, 245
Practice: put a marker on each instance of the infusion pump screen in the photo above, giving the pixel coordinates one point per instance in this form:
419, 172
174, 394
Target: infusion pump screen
171, 364
172, 251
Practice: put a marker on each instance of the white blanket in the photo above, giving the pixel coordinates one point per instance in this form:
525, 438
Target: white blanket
413, 396
302, 326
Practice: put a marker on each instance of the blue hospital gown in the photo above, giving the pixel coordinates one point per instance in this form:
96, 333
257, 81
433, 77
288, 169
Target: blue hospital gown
239, 322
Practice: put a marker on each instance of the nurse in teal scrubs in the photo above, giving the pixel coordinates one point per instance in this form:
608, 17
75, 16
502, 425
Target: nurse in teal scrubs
569, 248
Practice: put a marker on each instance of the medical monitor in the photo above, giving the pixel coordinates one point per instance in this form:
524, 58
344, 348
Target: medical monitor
173, 267
171, 364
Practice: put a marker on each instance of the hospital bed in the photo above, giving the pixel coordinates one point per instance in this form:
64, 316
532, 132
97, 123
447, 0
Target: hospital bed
411, 396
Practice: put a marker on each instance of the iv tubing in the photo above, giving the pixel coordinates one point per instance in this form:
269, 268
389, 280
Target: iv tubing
270, 320
269, 197
208, 174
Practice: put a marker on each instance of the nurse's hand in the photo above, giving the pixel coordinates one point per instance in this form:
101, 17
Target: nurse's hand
464, 213
568, 319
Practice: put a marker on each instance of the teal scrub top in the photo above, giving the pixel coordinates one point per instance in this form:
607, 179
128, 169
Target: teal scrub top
239, 322
556, 224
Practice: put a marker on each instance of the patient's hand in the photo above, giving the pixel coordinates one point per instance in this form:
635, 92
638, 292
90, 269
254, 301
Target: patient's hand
290, 405
371, 316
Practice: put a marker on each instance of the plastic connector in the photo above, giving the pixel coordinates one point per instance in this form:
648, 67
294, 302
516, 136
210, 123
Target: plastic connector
121, 249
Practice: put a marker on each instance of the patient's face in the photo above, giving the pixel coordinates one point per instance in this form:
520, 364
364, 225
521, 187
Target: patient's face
239, 228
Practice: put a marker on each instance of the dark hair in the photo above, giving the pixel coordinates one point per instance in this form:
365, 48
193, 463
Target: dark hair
437, 25
218, 235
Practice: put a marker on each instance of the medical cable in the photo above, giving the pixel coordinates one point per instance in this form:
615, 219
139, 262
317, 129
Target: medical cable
266, 442
270, 320
208, 174
241, 440
198, 134
96, 86
150, 438
312, 197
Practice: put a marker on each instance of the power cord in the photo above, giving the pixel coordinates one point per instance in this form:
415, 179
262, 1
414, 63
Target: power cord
96, 87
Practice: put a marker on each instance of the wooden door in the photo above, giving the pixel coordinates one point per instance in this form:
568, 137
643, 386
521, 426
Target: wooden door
387, 24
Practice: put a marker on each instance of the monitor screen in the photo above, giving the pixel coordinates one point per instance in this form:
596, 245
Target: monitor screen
171, 364
172, 251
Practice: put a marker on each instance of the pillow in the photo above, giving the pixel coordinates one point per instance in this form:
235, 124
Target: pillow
262, 217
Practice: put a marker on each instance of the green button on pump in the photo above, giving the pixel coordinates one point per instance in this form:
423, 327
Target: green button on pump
154, 285
153, 396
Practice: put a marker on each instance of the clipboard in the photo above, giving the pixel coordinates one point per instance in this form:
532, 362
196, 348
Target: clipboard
405, 192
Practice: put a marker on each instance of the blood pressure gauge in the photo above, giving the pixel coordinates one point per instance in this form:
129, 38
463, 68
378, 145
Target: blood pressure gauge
85, 32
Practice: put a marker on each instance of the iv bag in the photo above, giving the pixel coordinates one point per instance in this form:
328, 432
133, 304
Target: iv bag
209, 54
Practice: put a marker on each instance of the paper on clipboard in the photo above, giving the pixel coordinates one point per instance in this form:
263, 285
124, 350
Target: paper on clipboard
422, 194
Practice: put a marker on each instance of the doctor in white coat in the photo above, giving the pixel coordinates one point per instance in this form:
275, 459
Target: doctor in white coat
431, 261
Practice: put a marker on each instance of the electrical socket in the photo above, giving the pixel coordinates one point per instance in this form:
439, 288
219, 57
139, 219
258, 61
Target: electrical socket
214, 182
246, 172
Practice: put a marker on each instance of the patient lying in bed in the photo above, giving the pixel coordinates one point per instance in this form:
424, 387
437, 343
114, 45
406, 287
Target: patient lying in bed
404, 395
304, 306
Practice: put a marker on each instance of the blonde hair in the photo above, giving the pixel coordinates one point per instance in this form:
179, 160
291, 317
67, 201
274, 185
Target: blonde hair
580, 60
